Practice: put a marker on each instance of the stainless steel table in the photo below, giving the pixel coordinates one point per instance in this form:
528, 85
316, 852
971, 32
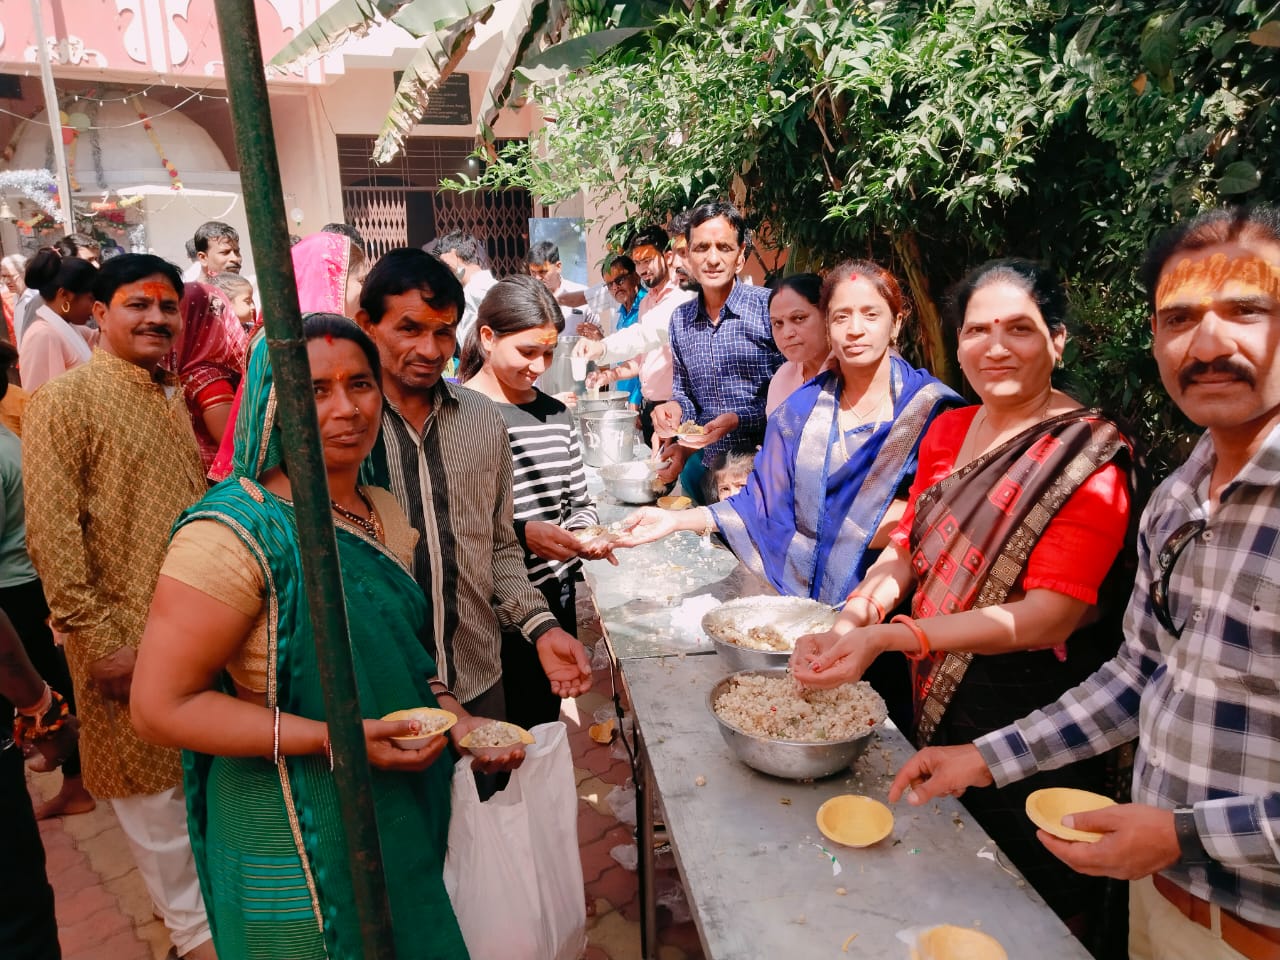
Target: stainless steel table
751, 857
757, 882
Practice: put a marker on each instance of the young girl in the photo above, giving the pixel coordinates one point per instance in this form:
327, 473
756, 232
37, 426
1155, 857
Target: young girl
510, 346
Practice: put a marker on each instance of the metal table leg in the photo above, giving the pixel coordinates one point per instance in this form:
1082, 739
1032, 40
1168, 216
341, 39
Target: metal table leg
645, 795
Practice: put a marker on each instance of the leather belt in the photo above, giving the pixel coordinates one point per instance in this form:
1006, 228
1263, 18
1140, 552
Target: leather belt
1257, 941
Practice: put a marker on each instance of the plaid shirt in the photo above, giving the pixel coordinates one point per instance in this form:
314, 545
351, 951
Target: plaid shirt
727, 365
1206, 706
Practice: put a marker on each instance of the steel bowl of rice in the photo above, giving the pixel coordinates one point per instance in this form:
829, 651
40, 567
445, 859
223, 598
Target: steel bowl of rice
759, 633
779, 728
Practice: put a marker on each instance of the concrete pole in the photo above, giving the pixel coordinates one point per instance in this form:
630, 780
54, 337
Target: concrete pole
55, 119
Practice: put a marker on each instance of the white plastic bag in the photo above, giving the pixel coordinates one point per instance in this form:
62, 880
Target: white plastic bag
513, 871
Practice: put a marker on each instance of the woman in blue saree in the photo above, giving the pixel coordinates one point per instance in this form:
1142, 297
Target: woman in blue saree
838, 456
227, 671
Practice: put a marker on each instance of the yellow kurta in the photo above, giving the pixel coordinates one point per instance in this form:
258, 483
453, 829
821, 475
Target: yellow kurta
109, 461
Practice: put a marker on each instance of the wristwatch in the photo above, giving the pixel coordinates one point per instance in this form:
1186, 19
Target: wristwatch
1184, 824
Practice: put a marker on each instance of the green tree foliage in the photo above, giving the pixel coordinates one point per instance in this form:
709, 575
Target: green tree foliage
934, 135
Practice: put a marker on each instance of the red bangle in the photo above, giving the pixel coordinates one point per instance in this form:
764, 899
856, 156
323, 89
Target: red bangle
879, 607
915, 628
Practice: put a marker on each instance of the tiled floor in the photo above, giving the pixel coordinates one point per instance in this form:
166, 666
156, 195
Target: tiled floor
105, 914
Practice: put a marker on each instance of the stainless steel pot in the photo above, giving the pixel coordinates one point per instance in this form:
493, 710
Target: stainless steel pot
606, 400
558, 378
789, 759
635, 482
793, 617
608, 436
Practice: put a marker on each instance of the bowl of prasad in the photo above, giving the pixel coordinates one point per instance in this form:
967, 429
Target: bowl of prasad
777, 727
759, 633
634, 482
432, 722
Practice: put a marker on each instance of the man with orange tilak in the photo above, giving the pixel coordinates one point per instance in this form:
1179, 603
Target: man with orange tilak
110, 461
1198, 679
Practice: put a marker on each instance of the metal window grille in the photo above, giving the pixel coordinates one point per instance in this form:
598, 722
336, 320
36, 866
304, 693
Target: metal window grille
401, 204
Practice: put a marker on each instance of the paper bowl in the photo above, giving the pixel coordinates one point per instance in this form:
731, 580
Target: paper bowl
512, 734
674, 503
434, 722
855, 821
948, 942
1046, 808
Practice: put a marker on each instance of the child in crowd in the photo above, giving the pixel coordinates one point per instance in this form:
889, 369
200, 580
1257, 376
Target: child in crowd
239, 293
727, 474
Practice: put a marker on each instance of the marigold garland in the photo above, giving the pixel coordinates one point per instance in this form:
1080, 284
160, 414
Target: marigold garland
155, 142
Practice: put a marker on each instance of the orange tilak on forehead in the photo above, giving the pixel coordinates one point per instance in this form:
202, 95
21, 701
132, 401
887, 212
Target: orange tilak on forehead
547, 337
155, 289
1201, 281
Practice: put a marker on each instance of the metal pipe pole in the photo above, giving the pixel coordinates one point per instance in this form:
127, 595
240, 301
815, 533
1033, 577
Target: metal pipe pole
268, 231
55, 118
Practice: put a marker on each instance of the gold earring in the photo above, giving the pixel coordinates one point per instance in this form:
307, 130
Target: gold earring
66, 307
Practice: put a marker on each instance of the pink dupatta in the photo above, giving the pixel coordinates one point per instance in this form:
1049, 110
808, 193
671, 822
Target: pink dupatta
320, 264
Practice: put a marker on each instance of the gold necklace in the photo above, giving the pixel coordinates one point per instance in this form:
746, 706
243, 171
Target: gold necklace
860, 417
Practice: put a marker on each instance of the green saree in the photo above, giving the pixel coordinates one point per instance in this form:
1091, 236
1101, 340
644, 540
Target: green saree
269, 842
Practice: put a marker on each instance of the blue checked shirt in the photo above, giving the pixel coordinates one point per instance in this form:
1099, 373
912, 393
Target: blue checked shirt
726, 366
1206, 706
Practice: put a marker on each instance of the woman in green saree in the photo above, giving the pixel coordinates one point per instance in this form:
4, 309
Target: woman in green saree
227, 672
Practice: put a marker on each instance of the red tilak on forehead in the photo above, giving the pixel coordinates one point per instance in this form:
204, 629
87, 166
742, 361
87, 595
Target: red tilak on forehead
328, 338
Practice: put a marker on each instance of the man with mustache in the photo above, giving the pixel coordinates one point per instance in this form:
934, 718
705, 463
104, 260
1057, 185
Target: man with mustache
645, 346
445, 454
722, 350
110, 461
1198, 679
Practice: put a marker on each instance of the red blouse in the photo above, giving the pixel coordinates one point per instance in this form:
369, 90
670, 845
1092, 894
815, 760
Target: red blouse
1079, 544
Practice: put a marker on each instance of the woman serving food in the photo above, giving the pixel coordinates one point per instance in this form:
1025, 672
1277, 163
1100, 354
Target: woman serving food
1017, 514
830, 481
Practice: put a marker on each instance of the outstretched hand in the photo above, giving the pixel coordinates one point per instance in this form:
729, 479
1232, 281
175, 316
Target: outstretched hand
564, 660
940, 772
645, 526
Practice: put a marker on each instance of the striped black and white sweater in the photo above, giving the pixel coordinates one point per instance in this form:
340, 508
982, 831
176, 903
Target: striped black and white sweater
549, 482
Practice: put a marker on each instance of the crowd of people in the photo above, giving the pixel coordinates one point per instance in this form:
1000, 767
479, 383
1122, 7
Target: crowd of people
1029, 616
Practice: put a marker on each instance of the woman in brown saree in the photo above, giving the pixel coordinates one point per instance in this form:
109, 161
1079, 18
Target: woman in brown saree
1018, 512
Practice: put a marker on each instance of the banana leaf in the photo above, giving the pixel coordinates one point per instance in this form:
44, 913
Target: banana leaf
521, 31
423, 17
568, 55
435, 60
343, 20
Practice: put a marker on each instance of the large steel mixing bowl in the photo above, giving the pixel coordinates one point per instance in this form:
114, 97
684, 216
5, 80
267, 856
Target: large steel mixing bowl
793, 617
789, 759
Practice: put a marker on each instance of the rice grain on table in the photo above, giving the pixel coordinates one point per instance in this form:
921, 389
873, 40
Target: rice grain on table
778, 708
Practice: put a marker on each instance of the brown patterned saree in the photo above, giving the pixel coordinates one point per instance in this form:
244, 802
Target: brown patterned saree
975, 529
